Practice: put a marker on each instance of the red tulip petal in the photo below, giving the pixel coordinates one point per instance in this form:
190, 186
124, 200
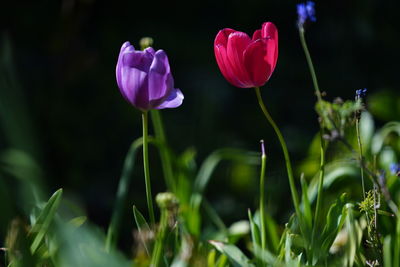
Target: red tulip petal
269, 31
256, 35
224, 65
272, 53
255, 61
237, 43
222, 37
220, 47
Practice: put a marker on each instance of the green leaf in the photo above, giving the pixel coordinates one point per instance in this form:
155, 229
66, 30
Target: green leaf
334, 222
211, 258
355, 236
381, 136
255, 230
40, 228
387, 252
305, 204
235, 255
367, 129
142, 225
266, 257
78, 221
333, 173
386, 157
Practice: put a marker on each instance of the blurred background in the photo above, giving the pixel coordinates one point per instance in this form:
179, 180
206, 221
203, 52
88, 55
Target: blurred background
61, 113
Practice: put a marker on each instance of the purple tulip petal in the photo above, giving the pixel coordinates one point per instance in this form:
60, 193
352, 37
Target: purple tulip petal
125, 46
138, 59
135, 82
160, 78
174, 100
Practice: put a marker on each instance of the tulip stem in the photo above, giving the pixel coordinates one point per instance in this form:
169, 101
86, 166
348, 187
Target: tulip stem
293, 190
146, 167
262, 197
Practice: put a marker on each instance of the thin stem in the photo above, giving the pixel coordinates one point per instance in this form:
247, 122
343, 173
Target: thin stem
293, 190
321, 179
322, 148
159, 245
320, 185
146, 167
262, 198
360, 154
310, 64
164, 150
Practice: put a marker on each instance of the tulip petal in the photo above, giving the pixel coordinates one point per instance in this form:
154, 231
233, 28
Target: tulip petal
255, 62
256, 35
174, 99
220, 45
138, 59
160, 78
222, 37
272, 53
224, 65
269, 31
125, 47
237, 43
135, 87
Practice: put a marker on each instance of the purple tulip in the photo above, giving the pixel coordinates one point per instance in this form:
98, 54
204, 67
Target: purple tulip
145, 80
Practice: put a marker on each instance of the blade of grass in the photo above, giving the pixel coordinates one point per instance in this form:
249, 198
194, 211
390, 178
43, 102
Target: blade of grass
40, 228
142, 226
235, 255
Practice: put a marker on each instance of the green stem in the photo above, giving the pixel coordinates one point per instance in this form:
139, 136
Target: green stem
320, 188
159, 245
360, 154
146, 167
321, 178
310, 64
293, 190
262, 198
164, 150
322, 147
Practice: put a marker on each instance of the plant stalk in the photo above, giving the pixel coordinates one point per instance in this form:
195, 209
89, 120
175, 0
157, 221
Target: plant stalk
292, 184
146, 167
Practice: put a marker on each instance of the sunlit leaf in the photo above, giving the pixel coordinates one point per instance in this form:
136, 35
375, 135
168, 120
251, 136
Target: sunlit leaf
235, 255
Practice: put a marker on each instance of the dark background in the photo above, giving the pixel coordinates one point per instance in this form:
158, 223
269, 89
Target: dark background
59, 100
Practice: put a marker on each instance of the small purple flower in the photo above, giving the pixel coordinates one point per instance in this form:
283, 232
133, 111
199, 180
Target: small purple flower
395, 168
306, 11
144, 79
360, 93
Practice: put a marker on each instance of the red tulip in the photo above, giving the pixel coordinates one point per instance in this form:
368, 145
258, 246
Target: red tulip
247, 62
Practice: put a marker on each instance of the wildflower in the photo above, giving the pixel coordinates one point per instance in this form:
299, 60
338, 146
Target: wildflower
360, 93
145, 80
247, 62
305, 11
